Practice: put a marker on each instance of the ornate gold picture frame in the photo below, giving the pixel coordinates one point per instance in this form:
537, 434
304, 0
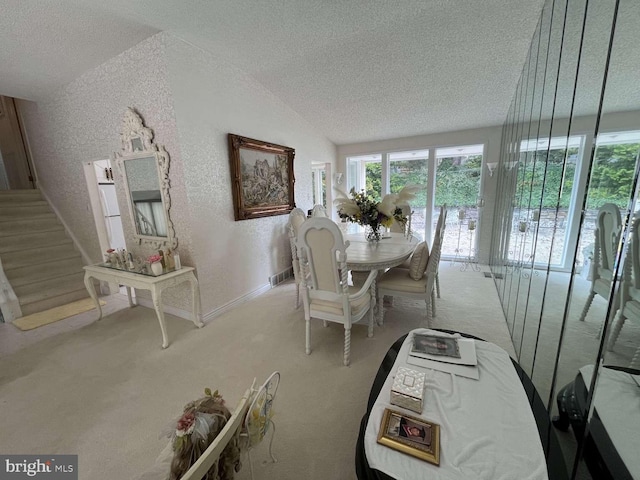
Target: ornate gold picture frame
261, 178
411, 435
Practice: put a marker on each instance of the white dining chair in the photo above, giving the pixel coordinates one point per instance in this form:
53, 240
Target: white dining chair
319, 211
397, 227
605, 250
441, 226
296, 219
417, 281
326, 294
629, 296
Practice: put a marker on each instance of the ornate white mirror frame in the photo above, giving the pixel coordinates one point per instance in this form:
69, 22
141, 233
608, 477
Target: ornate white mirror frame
137, 146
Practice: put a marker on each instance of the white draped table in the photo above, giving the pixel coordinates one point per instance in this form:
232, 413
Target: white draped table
487, 428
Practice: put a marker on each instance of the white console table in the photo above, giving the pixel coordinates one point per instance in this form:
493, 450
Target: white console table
146, 282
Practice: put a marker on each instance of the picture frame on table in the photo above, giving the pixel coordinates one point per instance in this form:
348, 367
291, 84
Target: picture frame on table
262, 179
426, 344
411, 435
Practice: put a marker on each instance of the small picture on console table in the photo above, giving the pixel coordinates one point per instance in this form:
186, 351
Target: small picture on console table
410, 435
261, 178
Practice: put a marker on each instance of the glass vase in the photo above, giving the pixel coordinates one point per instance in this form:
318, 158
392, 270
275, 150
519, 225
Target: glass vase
373, 233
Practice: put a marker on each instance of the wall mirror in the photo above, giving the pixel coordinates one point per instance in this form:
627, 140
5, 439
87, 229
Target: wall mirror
145, 170
571, 156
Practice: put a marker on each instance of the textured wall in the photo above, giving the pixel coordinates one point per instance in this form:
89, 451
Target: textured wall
191, 102
213, 99
82, 122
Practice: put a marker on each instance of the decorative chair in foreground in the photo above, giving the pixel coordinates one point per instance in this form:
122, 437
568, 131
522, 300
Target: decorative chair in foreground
417, 282
296, 218
259, 416
607, 240
326, 294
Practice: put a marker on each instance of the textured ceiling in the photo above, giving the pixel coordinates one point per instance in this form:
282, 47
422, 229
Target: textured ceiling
356, 70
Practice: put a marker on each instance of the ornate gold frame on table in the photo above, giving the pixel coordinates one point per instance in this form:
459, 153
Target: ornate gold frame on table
392, 420
261, 178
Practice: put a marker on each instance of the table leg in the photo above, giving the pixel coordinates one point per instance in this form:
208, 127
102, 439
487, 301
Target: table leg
195, 300
156, 296
91, 288
374, 294
131, 304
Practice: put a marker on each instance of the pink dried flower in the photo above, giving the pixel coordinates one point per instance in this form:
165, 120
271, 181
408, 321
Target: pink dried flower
185, 424
111, 250
154, 258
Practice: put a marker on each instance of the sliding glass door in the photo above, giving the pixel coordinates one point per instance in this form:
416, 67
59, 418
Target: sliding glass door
450, 175
457, 185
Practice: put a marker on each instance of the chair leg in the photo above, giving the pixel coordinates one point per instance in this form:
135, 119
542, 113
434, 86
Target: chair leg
347, 346
297, 295
438, 284
585, 310
433, 303
428, 303
273, 434
308, 337
617, 328
325, 324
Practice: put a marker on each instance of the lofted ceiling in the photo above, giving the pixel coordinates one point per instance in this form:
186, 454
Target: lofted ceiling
357, 70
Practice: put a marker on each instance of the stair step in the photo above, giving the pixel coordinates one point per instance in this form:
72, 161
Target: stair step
44, 223
24, 212
36, 256
27, 202
35, 273
51, 287
33, 240
52, 302
19, 195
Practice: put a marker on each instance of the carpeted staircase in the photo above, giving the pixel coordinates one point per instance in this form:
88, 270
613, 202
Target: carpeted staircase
39, 259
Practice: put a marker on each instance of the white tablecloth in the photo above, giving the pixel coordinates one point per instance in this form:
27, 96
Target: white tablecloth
487, 428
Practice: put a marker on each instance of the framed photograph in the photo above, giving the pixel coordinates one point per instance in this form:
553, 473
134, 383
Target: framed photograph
410, 435
435, 345
261, 178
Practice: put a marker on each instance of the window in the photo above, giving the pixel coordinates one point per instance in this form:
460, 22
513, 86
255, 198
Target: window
458, 173
542, 217
319, 180
450, 175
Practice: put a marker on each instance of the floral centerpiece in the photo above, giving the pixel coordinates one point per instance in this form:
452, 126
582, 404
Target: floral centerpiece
362, 209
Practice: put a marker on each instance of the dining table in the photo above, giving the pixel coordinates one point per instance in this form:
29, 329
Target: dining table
364, 256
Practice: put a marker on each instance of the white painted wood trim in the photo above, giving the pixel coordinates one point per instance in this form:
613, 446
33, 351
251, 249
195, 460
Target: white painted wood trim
85, 257
235, 303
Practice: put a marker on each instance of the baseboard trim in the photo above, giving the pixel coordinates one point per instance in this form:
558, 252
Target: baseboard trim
235, 303
178, 312
188, 315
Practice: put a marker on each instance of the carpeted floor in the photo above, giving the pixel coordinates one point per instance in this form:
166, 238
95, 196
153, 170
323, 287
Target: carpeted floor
107, 391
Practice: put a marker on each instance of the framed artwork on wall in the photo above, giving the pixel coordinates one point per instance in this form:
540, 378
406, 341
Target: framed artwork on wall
261, 178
